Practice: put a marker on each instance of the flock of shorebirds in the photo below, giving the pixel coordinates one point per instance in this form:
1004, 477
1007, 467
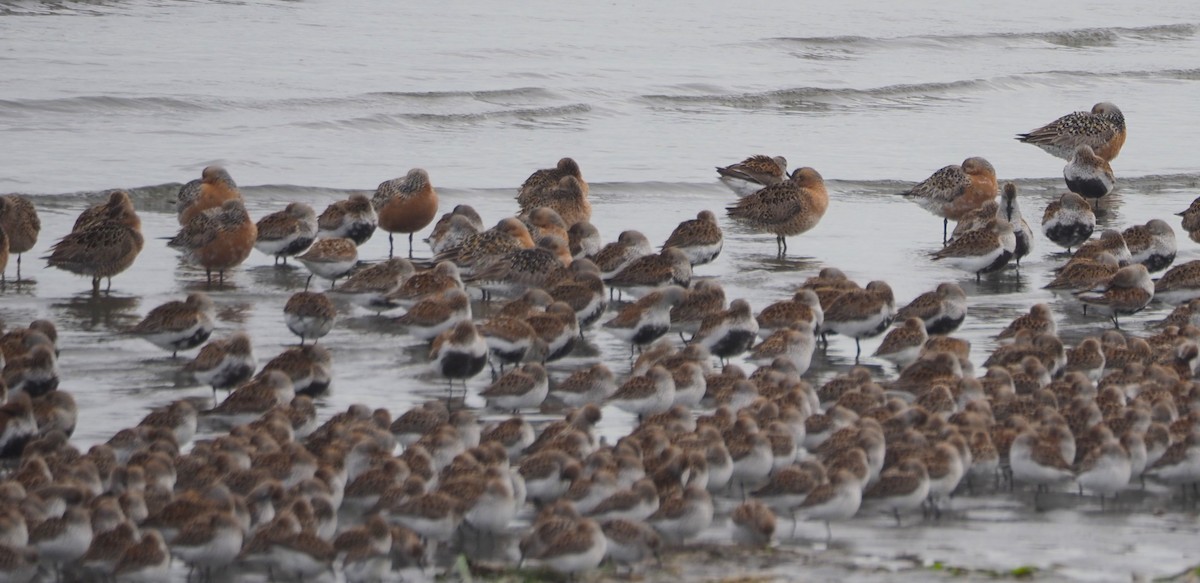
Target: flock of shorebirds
281, 494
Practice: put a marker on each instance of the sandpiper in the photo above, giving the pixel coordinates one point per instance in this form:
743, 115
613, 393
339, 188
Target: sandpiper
1084, 273
593, 384
705, 298
178, 325
511, 340
1105, 470
786, 209
583, 240
837, 499
217, 239
405, 205
17, 426
459, 353
147, 561
309, 315
637, 502
753, 524
670, 266
1128, 291
521, 388
1088, 174
901, 488
804, 306
1103, 129
954, 190
861, 313
902, 345
308, 367
753, 173
1110, 240
647, 319
942, 311
1152, 244
369, 287
586, 294
1010, 211
730, 332
684, 515
648, 394
34, 373
452, 229
225, 363
796, 344
1180, 284
1068, 221
557, 329
209, 542
699, 238
615, 256
981, 251
630, 542
287, 233
19, 221
63, 539
578, 548
251, 400
330, 259
443, 277
1035, 460
353, 218
437, 313
104, 248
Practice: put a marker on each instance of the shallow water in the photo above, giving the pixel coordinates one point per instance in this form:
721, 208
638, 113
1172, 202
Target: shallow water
304, 100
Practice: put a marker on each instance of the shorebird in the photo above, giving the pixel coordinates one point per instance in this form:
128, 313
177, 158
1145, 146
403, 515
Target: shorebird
477, 252
568, 198
901, 346
178, 325
309, 315
459, 353
104, 247
670, 266
730, 332
786, 209
353, 218
615, 256
1128, 291
862, 313
699, 238
405, 205
19, 221
330, 259
308, 367
548, 178
454, 227
215, 188
981, 251
1087, 174
583, 240
804, 306
955, 190
1103, 129
647, 319
288, 232
1068, 221
1011, 211
225, 363
370, 286
753, 173
436, 314
524, 387
1152, 244
218, 238
116, 207
1180, 284
942, 310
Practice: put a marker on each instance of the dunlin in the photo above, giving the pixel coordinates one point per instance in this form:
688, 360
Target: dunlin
1084, 273
861, 313
218, 239
1180, 284
1088, 174
671, 266
1110, 240
1152, 244
942, 311
901, 488
593, 384
521, 388
753, 524
405, 205
34, 373
804, 306
369, 287
56, 411
443, 277
225, 363
646, 320
17, 426
436, 313
837, 499
955, 190
699, 238
786, 209
353, 218
568, 198
902, 345
534, 300
548, 179
557, 329
178, 325
684, 515
104, 248
586, 294
1128, 291
643, 395
19, 221
452, 229
256, 397
459, 353
308, 367
511, 340
630, 542
1010, 210
583, 240
615, 256
287, 233
796, 344
753, 173
329, 259
705, 298
981, 251
730, 332
1068, 221
216, 187
309, 314
1103, 128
